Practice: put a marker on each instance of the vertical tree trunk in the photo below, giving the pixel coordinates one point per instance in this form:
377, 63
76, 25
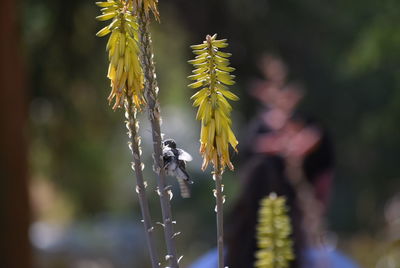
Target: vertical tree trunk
15, 250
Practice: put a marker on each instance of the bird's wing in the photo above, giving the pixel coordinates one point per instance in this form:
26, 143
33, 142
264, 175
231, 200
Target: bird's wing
181, 172
184, 155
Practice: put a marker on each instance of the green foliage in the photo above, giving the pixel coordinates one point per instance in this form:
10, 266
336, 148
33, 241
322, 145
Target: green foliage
76, 143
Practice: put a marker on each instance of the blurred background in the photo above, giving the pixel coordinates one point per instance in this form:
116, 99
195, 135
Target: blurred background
67, 193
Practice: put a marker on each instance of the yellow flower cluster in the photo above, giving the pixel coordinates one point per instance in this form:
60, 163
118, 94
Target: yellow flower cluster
212, 75
273, 231
147, 6
124, 71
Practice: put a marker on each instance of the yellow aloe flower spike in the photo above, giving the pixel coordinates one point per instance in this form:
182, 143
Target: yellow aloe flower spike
212, 76
273, 234
124, 70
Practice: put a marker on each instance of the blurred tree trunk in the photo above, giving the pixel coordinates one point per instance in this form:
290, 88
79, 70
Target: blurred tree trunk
15, 251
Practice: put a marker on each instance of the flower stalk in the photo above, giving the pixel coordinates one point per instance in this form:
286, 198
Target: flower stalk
212, 76
220, 199
153, 108
273, 234
126, 76
134, 144
124, 69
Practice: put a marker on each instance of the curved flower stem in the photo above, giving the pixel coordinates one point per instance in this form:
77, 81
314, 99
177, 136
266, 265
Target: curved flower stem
134, 143
220, 213
151, 95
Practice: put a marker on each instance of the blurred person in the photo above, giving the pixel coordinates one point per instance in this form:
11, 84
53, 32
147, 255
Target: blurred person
266, 172
289, 154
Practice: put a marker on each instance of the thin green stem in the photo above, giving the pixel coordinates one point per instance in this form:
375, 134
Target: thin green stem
220, 214
153, 107
217, 171
134, 145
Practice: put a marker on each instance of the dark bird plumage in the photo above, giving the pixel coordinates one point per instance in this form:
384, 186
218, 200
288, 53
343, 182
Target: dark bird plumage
175, 165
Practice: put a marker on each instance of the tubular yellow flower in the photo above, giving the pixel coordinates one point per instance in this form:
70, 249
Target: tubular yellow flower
273, 231
211, 75
147, 6
124, 71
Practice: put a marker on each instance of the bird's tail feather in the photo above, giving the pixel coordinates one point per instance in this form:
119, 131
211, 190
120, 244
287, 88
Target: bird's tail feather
184, 187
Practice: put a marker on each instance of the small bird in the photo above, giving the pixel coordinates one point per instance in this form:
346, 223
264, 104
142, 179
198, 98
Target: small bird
175, 165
